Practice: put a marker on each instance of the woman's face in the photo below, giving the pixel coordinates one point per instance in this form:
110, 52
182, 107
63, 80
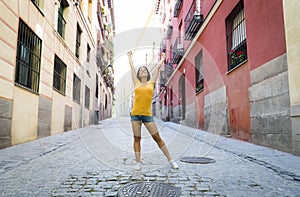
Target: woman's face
143, 72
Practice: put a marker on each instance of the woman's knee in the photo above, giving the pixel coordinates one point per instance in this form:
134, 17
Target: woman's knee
137, 138
157, 137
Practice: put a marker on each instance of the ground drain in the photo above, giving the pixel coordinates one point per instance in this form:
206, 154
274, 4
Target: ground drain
197, 160
150, 189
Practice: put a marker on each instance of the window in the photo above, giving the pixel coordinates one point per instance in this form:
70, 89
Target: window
36, 2
59, 75
28, 58
88, 53
61, 23
76, 88
87, 98
236, 37
97, 87
90, 11
78, 40
199, 72
39, 4
105, 106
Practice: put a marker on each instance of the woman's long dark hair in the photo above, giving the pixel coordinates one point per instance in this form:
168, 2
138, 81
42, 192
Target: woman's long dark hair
137, 74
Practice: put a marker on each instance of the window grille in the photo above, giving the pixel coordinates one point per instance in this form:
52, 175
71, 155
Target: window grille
78, 40
87, 98
236, 37
76, 88
59, 75
28, 58
97, 87
199, 72
88, 56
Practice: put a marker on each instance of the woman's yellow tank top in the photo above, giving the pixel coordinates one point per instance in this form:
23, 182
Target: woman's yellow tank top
142, 104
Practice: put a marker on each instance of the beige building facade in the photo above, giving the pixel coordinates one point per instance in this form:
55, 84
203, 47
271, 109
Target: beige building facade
51, 78
292, 31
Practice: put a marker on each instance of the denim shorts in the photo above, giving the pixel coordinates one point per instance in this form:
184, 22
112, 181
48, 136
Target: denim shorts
142, 118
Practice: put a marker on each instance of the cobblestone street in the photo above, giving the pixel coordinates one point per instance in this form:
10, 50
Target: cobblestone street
97, 160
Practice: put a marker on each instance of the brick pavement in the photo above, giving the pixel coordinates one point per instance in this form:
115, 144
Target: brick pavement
97, 160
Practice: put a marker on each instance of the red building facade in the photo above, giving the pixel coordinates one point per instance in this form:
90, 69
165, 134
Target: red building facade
226, 69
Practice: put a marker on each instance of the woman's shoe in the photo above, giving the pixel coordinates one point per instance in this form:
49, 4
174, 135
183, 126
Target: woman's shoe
138, 166
174, 164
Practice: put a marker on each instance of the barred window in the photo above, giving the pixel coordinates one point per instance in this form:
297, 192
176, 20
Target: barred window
236, 37
199, 72
76, 88
39, 4
97, 86
78, 40
28, 58
59, 75
61, 23
88, 53
87, 98
36, 2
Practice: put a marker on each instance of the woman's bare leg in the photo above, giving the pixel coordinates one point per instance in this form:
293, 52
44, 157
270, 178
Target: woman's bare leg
136, 128
152, 128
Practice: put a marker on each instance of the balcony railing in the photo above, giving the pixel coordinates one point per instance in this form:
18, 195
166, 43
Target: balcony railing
166, 73
177, 7
192, 22
169, 31
178, 50
168, 70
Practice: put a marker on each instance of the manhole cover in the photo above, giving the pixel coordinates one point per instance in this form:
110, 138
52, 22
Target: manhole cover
150, 189
197, 160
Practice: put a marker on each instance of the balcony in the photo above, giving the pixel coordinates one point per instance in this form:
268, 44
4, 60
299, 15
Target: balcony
162, 47
169, 31
168, 70
178, 51
192, 22
177, 7
166, 73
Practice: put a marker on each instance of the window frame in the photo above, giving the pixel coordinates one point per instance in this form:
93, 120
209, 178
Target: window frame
87, 93
39, 4
28, 59
78, 41
76, 88
88, 53
59, 75
61, 21
199, 75
236, 38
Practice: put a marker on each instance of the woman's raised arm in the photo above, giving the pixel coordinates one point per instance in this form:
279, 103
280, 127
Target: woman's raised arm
133, 72
157, 67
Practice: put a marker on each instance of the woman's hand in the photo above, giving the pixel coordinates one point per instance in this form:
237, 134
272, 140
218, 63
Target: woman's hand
163, 56
129, 53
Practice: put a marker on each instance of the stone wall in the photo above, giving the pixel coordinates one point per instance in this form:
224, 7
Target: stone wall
216, 112
270, 105
190, 115
68, 118
44, 117
5, 122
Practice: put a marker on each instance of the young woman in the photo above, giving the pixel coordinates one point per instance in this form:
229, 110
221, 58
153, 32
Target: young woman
142, 112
